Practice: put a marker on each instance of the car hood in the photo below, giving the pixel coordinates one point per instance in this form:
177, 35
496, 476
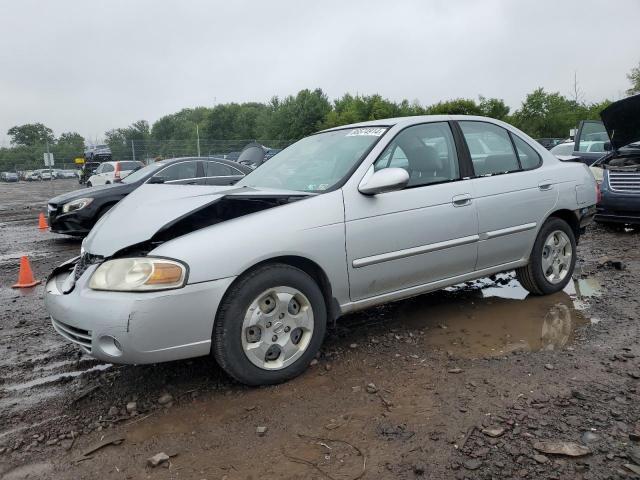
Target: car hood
152, 208
89, 192
622, 121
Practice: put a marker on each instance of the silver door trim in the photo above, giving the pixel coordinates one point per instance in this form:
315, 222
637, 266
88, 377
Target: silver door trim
427, 287
410, 252
508, 231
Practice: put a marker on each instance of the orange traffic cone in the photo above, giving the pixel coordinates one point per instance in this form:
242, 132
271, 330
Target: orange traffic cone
25, 276
42, 222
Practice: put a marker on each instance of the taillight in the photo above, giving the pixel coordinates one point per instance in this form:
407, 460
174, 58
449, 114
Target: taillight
117, 172
598, 193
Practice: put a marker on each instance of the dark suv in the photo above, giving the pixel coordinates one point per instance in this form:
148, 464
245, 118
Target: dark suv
617, 167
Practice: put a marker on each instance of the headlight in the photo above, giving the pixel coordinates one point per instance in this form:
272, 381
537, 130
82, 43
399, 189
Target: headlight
138, 274
76, 205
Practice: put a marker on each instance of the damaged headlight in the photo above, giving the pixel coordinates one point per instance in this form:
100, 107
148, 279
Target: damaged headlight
138, 274
76, 204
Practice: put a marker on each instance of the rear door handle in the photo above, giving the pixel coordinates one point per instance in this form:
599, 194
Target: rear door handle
545, 185
461, 200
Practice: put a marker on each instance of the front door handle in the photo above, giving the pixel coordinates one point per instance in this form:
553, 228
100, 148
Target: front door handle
461, 200
545, 185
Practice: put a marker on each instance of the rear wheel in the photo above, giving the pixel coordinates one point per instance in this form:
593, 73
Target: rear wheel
270, 325
552, 260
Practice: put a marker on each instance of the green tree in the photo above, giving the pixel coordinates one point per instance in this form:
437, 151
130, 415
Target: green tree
69, 145
493, 107
127, 142
30, 134
634, 77
296, 117
458, 106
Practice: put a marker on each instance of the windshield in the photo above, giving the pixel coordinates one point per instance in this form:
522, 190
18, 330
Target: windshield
316, 163
142, 173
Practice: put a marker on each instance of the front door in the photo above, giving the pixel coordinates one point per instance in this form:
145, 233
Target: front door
421, 234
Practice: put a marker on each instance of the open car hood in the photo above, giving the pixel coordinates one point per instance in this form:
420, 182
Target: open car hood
153, 209
622, 121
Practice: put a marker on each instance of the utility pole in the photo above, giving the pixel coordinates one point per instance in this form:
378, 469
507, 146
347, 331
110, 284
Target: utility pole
198, 136
50, 172
133, 151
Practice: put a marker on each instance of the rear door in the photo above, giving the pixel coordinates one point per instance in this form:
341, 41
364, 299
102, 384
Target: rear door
590, 142
218, 173
188, 172
513, 194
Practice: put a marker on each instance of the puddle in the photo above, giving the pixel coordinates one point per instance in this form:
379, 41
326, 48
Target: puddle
495, 317
54, 378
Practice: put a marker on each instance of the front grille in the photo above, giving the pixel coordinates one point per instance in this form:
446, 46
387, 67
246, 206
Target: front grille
625, 181
85, 261
73, 334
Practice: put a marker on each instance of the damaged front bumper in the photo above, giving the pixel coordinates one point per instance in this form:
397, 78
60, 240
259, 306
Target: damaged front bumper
133, 327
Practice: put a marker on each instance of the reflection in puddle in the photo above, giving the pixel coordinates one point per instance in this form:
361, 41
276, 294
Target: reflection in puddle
487, 318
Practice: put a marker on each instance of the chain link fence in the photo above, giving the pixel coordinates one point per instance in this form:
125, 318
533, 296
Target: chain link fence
20, 159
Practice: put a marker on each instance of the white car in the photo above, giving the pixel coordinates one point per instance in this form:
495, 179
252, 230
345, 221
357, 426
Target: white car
112, 172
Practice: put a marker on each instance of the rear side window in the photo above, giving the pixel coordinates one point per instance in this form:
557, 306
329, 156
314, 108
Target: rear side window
216, 169
427, 152
529, 158
178, 171
490, 148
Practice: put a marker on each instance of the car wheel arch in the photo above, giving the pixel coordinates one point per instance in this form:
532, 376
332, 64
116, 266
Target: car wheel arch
311, 268
568, 216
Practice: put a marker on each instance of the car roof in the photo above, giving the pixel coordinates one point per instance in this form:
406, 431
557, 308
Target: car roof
414, 120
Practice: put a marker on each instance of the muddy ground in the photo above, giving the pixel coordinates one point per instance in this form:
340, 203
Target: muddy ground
462, 383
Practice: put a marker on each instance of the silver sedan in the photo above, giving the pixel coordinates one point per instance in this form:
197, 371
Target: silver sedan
339, 221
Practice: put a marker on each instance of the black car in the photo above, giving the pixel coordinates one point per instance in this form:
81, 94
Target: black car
619, 177
76, 212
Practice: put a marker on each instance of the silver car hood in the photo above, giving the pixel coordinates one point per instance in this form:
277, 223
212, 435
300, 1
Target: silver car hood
148, 209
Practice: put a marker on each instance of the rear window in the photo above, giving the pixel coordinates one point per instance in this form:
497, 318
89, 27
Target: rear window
130, 165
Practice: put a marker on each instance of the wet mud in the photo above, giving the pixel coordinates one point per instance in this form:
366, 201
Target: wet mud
399, 391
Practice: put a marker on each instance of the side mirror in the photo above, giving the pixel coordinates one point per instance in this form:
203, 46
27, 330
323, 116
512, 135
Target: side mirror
385, 180
156, 180
607, 146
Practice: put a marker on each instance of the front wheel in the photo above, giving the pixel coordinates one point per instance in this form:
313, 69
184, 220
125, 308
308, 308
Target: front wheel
552, 259
270, 325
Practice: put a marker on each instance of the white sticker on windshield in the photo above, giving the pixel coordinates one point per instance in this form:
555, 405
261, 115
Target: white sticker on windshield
367, 132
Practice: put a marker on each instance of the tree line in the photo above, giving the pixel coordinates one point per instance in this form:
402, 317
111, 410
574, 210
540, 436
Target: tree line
281, 121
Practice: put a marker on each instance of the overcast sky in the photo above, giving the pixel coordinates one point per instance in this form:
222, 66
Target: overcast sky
89, 66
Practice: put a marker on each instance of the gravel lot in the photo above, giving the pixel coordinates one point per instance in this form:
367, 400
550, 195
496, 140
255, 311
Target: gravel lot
472, 382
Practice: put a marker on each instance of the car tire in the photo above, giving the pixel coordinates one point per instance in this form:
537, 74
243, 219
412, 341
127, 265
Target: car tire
549, 269
284, 338
89, 184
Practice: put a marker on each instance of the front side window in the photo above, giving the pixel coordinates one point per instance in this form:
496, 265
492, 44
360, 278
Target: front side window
317, 163
178, 171
107, 167
490, 148
427, 152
